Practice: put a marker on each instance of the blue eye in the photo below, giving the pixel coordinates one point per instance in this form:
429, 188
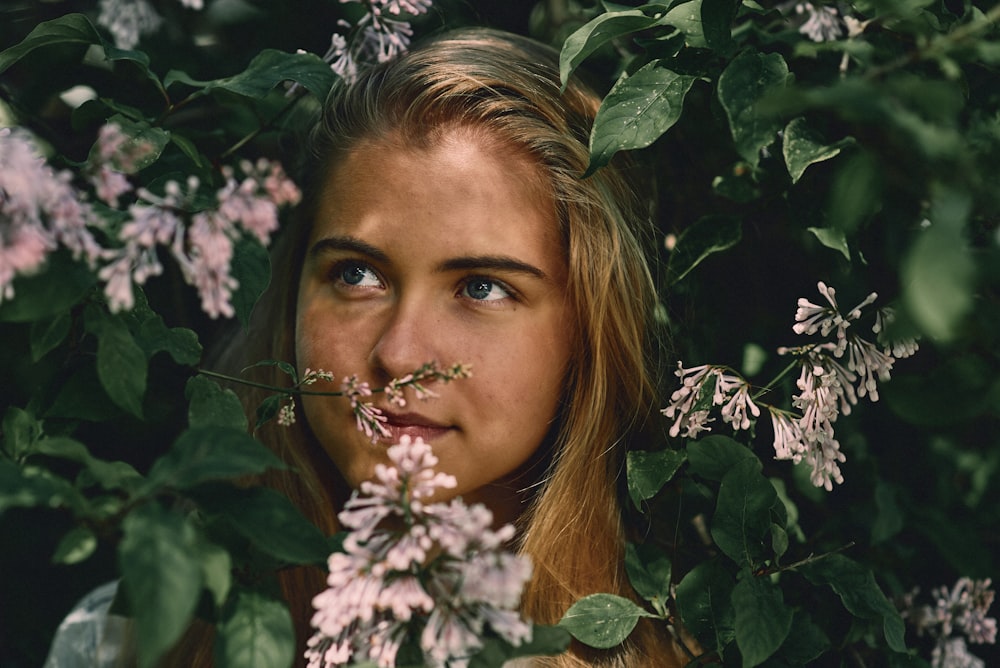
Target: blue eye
357, 274
483, 289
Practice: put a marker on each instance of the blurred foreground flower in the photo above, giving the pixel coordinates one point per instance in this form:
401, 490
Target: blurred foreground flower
41, 209
416, 574
129, 20
957, 618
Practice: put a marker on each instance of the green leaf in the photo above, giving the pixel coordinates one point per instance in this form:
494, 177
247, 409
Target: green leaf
285, 368
255, 632
717, 18
161, 576
802, 146
832, 238
268, 69
709, 234
138, 133
639, 109
602, 620
109, 475
212, 406
73, 29
745, 81
190, 149
20, 432
938, 273
121, 365
217, 571
62, 283
48, 334
602, 29
209, 453
180, 343
742, 517
779, 540
855, 193
32, 487
82, 397
805, 643
649, 571
78, 544
251, 267
762, 619
268, 409
270, 521
647, 472
69, 29
686, 17
704, 599
858, 591
714, 456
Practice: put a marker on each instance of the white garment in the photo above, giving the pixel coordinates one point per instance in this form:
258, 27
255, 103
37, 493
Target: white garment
89, 636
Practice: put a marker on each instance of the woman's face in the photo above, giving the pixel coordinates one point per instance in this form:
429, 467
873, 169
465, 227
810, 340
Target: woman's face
448, 253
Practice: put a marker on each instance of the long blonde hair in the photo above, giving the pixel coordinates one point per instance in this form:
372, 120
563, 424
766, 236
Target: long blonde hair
507, 87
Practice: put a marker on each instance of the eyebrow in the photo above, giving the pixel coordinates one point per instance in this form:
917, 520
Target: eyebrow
464, 263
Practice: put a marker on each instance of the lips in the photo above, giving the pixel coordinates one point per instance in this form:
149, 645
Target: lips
413, 425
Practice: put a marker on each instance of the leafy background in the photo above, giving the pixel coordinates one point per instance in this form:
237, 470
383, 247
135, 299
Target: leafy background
910, 134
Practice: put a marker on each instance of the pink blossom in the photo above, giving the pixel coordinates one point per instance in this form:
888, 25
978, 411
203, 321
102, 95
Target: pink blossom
23, 249
436, 570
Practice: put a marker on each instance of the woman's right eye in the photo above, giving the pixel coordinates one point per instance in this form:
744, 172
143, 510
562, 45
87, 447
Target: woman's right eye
356, 275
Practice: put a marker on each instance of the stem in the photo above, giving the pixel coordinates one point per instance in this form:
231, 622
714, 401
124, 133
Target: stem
774, 381
941, 45
255, 133
811, 559
273, 388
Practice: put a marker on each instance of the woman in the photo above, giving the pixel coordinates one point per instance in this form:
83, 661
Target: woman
446, 220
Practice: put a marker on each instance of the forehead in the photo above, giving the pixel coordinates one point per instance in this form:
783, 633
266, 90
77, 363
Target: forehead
463, 187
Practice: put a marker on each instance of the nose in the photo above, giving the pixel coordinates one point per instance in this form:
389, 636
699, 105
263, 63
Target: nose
408, 339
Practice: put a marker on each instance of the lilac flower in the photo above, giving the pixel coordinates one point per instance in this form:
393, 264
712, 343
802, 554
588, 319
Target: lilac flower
39, 209
811, 318
378, 36
690, 406
788, 441
900, 348
369, 419
431, 574
961, 609
823, 24
128, 20
954, 653
23, 249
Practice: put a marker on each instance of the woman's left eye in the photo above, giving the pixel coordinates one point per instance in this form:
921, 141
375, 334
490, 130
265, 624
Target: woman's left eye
485, 290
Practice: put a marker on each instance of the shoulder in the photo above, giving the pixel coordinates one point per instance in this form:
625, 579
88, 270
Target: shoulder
89, 636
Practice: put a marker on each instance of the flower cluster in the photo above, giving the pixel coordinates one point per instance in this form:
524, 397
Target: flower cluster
369, 418
41, 209
702, 388
416, 572
827, 387
821, 24
129, 20
957, 618
378, 36
204, 248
